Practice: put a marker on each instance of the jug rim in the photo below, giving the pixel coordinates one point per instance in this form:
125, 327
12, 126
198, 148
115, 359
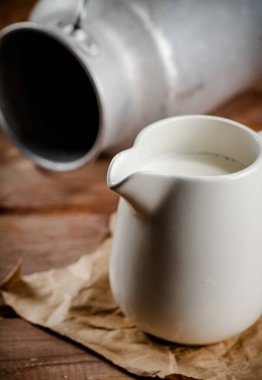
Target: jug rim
195, 178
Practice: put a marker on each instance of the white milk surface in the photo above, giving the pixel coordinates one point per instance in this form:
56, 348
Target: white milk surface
196, 164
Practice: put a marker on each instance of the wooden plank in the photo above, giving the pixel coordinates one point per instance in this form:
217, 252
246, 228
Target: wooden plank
28, 352
14, 11
27, 188
245, 108
48, 241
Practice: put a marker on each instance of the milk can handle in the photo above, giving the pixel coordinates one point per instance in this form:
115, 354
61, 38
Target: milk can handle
80, 14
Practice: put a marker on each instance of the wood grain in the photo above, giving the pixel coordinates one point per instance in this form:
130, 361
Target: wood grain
33, 353
26, 188
48, 241
49, 220
14, 11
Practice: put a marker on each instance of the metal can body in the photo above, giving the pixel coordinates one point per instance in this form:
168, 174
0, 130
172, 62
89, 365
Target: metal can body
143, 60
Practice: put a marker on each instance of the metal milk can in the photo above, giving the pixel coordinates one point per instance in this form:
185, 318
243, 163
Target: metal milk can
81, 78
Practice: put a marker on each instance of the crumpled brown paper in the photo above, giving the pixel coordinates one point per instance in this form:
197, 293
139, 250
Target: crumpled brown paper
76, 302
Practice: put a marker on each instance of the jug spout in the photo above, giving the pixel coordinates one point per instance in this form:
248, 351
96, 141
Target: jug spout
143, 191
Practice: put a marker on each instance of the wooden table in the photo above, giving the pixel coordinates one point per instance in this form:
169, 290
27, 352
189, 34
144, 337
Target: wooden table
49, 220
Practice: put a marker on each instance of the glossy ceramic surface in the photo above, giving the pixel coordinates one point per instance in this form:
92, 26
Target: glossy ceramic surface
186, 263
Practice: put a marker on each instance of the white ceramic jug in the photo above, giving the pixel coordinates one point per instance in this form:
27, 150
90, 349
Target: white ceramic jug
186, 264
